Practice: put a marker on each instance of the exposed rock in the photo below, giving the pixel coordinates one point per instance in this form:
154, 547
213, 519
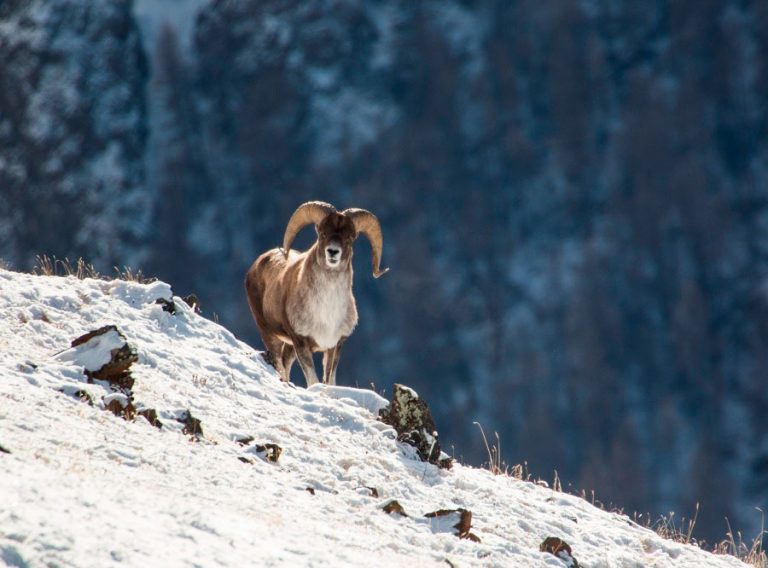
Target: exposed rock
311, 490
81, 395
105, 355
454, 521
192, 301
151, 416
394, 506
170, 306
167, 305
192, 426
244, 459
87, 351
409, 415
27, 367
269, 452
4, 450
85, 338
458, 520
244, 440
560, 549
120, 405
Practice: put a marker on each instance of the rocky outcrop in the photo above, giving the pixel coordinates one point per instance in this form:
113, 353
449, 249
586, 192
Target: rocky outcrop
191, 425
454, 521
560, 549
93, 347
105, 356
409, 415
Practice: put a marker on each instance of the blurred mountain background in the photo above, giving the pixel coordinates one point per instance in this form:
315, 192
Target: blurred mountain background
574, 199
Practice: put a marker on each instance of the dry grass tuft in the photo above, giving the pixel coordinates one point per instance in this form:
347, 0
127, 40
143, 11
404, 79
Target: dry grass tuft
495, 464
667, 527
520, 471
752, 553
138, 276
51, 266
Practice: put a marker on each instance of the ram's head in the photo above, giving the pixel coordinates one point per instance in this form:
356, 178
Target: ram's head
336, 232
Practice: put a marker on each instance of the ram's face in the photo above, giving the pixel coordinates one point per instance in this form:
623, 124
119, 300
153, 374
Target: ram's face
335, 234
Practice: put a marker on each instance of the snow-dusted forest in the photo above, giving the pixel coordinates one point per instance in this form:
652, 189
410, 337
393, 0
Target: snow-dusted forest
573, 199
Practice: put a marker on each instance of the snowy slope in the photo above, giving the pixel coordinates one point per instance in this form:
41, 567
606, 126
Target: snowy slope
82, 487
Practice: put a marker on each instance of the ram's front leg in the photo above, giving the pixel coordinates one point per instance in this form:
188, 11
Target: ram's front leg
331, 361
304, 355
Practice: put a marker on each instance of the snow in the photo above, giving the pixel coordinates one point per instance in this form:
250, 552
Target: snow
367, 399
464, 29
345, 120
82, 487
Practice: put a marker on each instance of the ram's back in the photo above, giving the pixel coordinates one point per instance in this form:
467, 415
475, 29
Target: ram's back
265, 286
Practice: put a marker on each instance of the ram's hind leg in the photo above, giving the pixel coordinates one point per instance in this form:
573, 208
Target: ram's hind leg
274, 355
288, 357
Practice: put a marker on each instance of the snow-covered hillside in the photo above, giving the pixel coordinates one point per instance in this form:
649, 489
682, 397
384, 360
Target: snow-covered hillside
80, 486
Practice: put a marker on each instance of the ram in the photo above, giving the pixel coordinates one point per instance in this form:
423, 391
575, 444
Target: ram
302, 301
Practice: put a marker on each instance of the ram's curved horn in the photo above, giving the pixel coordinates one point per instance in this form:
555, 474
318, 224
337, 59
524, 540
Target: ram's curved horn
366, 223
311, 212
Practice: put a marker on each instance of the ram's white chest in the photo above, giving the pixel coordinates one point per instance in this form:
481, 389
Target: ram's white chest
328, 314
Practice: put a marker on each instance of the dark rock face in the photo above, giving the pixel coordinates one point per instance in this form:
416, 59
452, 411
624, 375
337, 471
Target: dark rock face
455, 521
561, 549
461, 520
170, 306
72, 130
192, 426
121, 406
167, 305
193, 302
244, 440
270, 452
83, 396
150, 414
393, 506
409, 415
116, 370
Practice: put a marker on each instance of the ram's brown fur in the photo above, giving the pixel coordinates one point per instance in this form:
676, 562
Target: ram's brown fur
302, 303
